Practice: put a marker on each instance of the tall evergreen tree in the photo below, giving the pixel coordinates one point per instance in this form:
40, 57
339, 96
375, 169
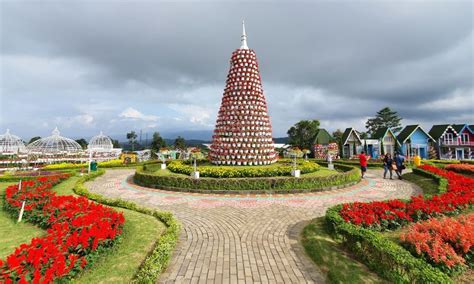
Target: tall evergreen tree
132, 138
180, 143
157, 142
302, 134
384, 118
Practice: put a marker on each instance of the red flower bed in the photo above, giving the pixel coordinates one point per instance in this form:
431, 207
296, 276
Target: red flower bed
75, 226
447, 242
394, 213
461, 168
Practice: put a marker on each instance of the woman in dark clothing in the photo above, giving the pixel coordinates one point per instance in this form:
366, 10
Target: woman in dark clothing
387, 165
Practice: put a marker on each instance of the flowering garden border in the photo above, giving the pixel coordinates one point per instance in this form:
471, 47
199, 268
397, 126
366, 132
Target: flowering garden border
77, 230
159, 257
389, 259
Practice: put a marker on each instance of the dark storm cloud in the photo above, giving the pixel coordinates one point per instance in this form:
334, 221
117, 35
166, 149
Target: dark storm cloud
339, 62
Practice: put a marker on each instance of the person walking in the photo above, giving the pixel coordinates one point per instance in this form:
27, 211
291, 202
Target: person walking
363, 163
387, 165
399, 160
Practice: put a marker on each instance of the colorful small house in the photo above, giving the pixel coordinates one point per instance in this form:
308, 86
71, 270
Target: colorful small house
387, 141
453, 141
414, 141
351, 143
322, 144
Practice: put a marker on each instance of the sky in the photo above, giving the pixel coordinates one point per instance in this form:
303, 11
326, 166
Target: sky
90, 66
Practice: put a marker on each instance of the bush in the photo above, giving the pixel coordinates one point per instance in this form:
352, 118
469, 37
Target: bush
281, 168
350, 175
445, 242
383, 256
107, 164
382, 215
461, 168
159, 257
77, 230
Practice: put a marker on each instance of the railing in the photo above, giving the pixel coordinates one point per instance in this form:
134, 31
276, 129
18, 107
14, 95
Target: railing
457, 143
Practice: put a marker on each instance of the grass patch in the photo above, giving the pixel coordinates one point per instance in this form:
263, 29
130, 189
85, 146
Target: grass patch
13, 234
331, 258
322, 172
428, 185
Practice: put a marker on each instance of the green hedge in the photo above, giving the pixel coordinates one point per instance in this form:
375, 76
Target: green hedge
355, 163
159, 257
14, 178
387, 258
281, 168
349, 175
441, 181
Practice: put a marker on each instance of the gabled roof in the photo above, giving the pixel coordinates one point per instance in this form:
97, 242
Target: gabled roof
471, 126
347, 134
438, 130
460, 128
382, 132
408, 131
323, 137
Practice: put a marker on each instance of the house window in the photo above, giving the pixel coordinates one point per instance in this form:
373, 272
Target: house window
464, 138
388, 139
448, 138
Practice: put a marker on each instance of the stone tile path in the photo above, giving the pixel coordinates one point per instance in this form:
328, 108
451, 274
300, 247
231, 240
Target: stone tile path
244, 238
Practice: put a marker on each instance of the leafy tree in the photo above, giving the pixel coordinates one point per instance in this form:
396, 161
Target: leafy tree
115, 143
82, 142
157, 142
337, 135
34, 139
132, 138
180, 143
384, 118
302, 134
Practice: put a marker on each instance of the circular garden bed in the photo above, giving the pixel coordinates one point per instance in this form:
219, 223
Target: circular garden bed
275, 178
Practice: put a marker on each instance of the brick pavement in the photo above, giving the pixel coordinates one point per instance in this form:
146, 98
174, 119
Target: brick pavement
244, 238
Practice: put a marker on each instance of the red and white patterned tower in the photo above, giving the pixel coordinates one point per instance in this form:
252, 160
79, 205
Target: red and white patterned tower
243, 132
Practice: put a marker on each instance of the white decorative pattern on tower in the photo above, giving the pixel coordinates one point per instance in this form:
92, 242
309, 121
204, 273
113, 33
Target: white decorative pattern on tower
243, 132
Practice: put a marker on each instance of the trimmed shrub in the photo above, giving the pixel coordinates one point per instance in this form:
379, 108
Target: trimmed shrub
281, 168
385, 257
350, 175
461, 168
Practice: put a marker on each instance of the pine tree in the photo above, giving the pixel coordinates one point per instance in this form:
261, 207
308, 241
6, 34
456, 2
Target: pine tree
384, 118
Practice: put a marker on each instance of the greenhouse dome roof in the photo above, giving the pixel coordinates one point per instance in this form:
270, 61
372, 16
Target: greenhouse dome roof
100, 143
54, 144
11, 144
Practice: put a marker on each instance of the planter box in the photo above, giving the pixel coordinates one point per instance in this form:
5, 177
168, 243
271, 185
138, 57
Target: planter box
296, 173
163, 166
331, 166
195, 175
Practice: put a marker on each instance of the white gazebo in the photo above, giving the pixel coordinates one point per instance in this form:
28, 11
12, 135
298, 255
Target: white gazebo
11, 144
100, 143
54, 145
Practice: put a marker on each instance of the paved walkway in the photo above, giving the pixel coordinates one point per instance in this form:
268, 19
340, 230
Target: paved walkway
244, 238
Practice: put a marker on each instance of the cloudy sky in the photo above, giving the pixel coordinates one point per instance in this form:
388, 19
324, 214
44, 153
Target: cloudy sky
115, 66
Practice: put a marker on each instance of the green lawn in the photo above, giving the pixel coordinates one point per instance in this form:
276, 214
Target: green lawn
118, 265
330, 257
428, 185
13, 234
321, 172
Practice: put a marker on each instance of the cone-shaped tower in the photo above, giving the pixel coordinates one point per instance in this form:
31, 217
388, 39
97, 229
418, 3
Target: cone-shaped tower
243, 133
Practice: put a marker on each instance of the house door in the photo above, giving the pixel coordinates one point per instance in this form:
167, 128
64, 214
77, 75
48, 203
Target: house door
422, 153
459, 154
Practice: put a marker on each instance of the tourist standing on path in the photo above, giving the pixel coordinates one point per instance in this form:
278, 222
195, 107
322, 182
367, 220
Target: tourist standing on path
399, 160
363, 163
387, 165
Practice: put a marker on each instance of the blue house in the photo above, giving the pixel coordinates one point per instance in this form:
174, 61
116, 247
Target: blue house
414, 141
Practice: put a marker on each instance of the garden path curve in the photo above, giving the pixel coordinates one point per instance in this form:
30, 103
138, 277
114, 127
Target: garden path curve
244, 238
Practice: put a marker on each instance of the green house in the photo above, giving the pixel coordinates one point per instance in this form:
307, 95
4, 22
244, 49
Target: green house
351, 143
323, 137
387, 141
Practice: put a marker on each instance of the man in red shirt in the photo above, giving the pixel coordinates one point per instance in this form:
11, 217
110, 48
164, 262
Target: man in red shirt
363, 162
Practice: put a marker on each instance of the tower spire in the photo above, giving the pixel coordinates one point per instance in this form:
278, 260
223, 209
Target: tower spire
243, 38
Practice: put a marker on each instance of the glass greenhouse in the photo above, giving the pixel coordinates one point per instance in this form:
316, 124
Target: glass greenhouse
54, 144
11, 144
100, 143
